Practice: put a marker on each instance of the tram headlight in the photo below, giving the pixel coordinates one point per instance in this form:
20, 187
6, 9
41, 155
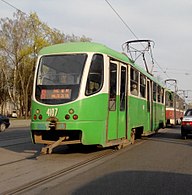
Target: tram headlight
40, 117
37, 111
71, 111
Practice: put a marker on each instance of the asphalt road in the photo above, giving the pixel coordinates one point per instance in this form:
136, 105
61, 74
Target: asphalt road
161, 164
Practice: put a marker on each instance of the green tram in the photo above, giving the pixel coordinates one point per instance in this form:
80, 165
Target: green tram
88, 93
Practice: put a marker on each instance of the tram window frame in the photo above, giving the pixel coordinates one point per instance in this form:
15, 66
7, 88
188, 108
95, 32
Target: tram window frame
134, 78
95, 72
142, 86
112, 86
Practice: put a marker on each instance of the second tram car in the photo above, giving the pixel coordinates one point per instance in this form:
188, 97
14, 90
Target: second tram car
88, 93
175, 107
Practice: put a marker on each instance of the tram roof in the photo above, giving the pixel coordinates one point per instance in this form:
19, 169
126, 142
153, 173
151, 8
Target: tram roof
92, 47
83, 47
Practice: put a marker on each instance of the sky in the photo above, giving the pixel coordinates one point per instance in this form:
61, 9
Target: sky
167, 22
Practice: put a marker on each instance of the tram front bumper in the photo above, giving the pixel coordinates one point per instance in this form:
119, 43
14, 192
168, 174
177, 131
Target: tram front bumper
80, 132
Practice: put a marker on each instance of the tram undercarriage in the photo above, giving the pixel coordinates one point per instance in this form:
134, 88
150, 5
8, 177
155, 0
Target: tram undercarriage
54, 138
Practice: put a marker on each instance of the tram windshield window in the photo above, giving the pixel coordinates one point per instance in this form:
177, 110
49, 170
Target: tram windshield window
169, 99
95, 76
59, 77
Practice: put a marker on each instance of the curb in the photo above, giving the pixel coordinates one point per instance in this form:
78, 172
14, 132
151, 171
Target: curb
19, 123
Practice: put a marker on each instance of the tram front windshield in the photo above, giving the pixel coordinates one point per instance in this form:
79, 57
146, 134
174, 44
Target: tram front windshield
59, 77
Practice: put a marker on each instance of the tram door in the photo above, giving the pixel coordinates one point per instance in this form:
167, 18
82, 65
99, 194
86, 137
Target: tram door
150, 104
117, 101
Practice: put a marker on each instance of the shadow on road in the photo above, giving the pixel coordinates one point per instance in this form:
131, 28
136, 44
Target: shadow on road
139, 182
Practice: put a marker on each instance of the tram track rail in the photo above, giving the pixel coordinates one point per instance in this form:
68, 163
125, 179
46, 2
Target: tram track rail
65, 172
12, 138
55, 175
14, 144
16, 161
9, 147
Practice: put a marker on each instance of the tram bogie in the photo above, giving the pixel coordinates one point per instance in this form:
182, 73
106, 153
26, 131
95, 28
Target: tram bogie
90, 94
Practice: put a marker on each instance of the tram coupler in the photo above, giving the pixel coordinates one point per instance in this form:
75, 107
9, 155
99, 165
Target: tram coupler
49, 148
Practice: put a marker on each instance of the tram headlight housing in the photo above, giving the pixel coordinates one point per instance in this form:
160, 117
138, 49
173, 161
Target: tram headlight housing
71, 111
37, 111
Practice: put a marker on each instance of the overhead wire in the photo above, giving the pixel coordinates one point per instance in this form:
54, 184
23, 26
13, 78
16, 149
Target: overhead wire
123, 21
13, 6
115, 11
129, 28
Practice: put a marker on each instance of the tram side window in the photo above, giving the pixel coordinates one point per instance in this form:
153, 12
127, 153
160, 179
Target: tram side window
113, 87
95, 76
159, 93
154, 92
142, 86
162, 95
123, 88
134, 82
